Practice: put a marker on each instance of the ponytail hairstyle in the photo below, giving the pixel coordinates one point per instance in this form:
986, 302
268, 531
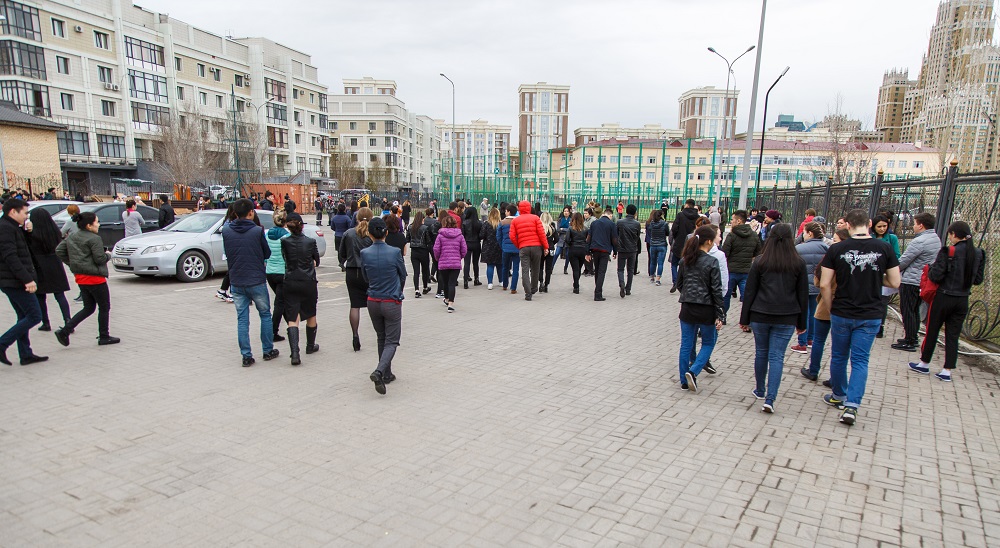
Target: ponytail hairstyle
963, 231
813, 228
364, 215
704, 233
129, 204
779, 253
295, 226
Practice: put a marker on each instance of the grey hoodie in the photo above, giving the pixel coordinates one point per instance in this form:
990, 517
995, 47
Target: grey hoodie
920, 251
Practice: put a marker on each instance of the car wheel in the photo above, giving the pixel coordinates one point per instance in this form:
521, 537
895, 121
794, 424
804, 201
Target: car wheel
192, 267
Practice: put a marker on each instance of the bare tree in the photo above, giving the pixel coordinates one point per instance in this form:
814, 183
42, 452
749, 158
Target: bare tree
379, 177
344, 168
850, 159
188, 151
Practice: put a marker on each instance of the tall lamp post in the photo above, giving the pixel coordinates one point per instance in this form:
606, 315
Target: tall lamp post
763, 133
452, 137
729, 126
745, 179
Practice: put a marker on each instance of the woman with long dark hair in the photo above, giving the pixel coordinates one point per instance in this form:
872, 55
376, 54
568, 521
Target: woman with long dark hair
492, 253
776, 305
562, 225
418, 236
956, 269
300, 287
51, 276
471, 226
699, 279
880, 231
356, 239
577, 247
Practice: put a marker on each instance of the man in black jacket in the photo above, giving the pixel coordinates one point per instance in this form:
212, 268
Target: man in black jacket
682, 226
17, 282
603, 239
166, 212
267, 204
629, 231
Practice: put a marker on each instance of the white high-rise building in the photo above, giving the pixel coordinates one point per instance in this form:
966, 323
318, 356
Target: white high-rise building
479, 147
706, 112
543, 121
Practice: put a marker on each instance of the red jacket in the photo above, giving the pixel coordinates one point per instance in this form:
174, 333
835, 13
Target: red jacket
526, 229
802, 227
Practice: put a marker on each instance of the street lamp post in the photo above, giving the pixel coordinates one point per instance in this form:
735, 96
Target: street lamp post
763, 133
452, 136
745, 180
728, 126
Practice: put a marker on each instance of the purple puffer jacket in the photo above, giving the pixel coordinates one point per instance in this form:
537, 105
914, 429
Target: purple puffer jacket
450, 249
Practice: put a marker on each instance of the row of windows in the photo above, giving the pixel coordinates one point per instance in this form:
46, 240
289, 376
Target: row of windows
588, 158
649, 175
30, 98
20, 20
144, 54
148, 87
22, 59
78, 143
148, 117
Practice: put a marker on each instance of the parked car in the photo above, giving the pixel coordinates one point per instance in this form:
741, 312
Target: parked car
52, 206
110, 215
190, 248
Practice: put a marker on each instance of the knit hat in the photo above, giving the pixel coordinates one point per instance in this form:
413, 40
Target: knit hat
377, 228
820, 220
773, 214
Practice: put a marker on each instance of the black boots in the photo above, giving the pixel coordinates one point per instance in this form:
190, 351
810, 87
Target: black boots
293, 344
311, 346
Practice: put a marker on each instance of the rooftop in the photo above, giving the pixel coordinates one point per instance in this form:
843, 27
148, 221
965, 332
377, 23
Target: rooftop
10, 115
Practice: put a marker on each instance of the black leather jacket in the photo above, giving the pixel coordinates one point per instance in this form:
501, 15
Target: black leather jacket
629, 234
701, 283
422, 239
577, 239
301, 257
949, 272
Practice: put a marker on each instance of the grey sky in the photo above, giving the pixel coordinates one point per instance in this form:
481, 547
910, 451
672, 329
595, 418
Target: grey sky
626, 61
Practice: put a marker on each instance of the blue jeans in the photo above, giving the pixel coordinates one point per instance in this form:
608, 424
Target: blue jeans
657, 255
771, 341
675, 261
29, 314
821, 330
258, 295
489, 273
689, 331
735, 280
850, 339
510, 260
810, 322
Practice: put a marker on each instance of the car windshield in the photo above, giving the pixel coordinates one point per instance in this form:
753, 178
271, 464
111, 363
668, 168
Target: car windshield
196, 222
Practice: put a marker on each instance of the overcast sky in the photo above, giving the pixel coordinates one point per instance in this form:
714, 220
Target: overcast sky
626, 61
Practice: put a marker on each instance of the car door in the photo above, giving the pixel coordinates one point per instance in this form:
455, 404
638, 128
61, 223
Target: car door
112, 227
219, 263
150, 217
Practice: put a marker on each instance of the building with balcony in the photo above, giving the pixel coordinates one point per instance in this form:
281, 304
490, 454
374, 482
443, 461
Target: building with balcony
543, 120
584, 135
707, 112
478, 147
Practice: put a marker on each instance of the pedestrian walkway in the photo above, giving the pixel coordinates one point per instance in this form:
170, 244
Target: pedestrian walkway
552, 422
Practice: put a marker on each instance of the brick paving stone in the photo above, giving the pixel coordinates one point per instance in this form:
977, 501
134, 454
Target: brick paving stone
554, 422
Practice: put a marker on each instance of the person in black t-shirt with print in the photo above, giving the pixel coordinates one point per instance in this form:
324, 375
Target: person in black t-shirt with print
860, 265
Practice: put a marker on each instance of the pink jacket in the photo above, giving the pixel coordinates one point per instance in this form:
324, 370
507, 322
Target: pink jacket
450, 248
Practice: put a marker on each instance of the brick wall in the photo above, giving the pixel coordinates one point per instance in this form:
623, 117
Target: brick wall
29, 153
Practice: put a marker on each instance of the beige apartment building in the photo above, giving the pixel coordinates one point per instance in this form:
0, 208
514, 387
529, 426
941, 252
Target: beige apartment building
891, 100
113, 73
543, 119
708, 112
376, 139
584, 135
478, 147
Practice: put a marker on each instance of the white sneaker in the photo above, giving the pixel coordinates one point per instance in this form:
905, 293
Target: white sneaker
220, 294
489, 286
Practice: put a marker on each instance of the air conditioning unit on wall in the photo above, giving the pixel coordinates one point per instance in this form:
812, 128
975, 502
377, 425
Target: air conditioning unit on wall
78, 28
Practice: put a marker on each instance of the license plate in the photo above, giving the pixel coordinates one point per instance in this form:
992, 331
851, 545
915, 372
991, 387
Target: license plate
119, 262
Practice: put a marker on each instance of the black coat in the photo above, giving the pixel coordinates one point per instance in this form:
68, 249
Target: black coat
166, 215
682, 226
492, 253
16, 268
49, 270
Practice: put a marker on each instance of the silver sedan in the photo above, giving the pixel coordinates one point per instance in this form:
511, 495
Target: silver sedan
190, 248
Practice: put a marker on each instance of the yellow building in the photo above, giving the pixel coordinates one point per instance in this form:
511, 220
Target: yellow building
28, 149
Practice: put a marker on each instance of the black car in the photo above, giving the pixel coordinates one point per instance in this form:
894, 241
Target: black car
110, 215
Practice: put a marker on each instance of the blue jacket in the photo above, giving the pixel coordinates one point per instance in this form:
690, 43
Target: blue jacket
503, 236
603, 235
246, 250
382, 265
812, 252
341, 224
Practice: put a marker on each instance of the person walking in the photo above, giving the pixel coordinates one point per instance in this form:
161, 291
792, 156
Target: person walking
562, 227
484, 208
18, 281
492, 253
88, 261
449, 249
603, 240
246, 252
385, 272
880, 231
275, 270
405, 211
49, 272
132, 219
577, 246
166, 214
511, 257
699, 280
714, 216
528, 234
821, 327
680, 229
956, 269
418, 236
920, 251
300, 288
741, 246
812, 250
471, 226
621, 209
656, 233
356, 239
861, 266
810, 217
589, 216
341, 222
629, 240
776, 305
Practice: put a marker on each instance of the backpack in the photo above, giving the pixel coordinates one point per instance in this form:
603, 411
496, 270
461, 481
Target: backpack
928, 289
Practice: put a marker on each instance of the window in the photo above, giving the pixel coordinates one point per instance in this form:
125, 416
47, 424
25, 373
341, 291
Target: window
334, 125
277, 137
105, 75
29, 98
62, 65
890, 164
146, 116
101, 40
67, 101
677, 175
107, 108
588, 174
651, 160
296, 116
148, 87
314, 141
312, 119
650, 175
372, 126
298, 138
218, 101
323, 121
240, 105
178, 65
372, 142
180, 93
19, 59
277, 114
902, 163
111, 146
678, 159
144, 54
626, 175
588, 158
108, 215
373, 158
614, 159
701, 161
354, 126
312, 98
354, 157
626, 159
323, 107
20, 20
58, 28
201, 70
354, 141
203, 97
334, 141
239, 80
918, 164
217, 75
73, 142
701, 176
295, 93
273, 89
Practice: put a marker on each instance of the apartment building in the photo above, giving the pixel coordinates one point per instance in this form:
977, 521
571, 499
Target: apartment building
707, 112
478, 147
891, 98
584, 135
114, 73
371, 130
543, 119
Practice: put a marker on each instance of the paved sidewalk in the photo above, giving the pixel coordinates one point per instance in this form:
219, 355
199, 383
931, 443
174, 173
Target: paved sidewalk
554, 422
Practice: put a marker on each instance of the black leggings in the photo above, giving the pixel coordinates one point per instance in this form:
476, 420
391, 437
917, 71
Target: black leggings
449, 279
60, 300
225, 283
948, 311
472, 258
576, 260
420, 258
277, 282
547, 264
95, 297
